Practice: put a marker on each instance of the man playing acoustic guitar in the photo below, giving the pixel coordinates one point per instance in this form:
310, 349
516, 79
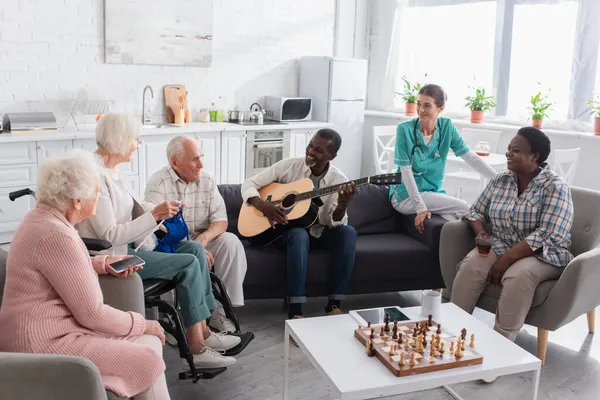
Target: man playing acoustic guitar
330, 231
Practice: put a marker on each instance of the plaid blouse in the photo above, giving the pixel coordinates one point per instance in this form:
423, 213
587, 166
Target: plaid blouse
542, 215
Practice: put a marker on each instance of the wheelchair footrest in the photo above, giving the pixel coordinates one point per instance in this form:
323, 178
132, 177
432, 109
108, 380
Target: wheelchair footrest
246, 338
208, 373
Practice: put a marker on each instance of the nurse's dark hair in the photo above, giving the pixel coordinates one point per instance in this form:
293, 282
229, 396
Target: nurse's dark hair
538, 141
435, 91
334, 138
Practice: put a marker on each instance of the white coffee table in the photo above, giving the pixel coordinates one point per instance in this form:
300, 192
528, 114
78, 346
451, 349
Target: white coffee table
330, 345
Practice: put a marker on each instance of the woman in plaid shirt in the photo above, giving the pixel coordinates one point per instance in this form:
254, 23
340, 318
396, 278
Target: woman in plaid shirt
530, 212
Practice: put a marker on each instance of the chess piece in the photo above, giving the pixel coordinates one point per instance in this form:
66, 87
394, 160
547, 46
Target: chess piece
412, 361
386, 318
463, 333
462, 345
472, 342
392, 352
438, 342
439, 329
382, 332
372, 336
458, 353
368, 324
371, 352
424, 341
406, 344
441, 349
401, 362
415, 331
394, 334
359, 327
429, 320
399, 338
396, 324
451, 347
419, 344
367, 346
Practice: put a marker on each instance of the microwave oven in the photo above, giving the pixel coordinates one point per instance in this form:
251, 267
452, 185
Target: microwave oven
288, 109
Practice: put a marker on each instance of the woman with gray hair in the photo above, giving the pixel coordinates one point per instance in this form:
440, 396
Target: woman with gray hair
52, 300
123, 220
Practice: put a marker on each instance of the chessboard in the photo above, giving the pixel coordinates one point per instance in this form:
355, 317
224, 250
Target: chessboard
409, 348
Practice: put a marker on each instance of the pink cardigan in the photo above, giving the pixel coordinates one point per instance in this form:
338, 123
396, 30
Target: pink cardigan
53, 304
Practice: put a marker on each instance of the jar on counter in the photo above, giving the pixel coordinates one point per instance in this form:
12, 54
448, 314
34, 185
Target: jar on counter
483, 149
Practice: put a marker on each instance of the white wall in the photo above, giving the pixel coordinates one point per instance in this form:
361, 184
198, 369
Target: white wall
585, 175
53, 50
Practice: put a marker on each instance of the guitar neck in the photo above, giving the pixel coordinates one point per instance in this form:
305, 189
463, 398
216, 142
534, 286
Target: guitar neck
329, 190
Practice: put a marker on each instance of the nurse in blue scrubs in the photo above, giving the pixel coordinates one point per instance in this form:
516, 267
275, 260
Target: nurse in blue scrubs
422, 146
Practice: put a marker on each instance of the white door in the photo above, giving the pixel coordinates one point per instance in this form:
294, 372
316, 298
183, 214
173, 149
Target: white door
210, 145
347, 118
53, 148
131, 168
233, 157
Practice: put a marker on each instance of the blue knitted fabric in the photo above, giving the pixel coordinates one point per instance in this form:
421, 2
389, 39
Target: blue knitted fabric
176, 230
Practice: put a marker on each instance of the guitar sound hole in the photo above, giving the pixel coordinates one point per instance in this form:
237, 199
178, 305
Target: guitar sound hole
288, 201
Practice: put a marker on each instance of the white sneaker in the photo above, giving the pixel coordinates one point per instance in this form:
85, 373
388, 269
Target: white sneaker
219, 321
221, 341
209, 358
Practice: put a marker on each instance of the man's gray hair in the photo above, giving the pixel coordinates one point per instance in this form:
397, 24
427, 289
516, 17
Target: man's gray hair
116, 133
176, 148
71, 176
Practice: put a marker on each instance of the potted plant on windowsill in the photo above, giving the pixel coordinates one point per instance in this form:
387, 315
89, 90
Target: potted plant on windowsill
409, 95
478, 104
595, 104
539, 109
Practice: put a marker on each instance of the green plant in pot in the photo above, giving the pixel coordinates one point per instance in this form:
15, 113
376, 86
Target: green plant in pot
540, 106
478, 104
594, 102
410, 95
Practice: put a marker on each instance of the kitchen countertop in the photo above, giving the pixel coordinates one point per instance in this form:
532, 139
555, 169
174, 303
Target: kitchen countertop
88, 132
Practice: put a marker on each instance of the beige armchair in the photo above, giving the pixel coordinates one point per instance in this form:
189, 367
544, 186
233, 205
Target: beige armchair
556, 302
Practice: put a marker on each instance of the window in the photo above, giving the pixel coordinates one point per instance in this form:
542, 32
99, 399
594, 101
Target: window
542, 51
455, 48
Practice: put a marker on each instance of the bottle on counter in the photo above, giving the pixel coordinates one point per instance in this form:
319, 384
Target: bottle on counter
220, 112
213, 113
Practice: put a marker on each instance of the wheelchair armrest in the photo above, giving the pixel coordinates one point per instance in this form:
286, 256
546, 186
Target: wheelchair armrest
96, 244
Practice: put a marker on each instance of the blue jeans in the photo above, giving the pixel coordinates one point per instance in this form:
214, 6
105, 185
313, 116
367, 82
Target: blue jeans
341, 241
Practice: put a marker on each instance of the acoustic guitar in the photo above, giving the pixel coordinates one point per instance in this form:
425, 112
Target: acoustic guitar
299, 202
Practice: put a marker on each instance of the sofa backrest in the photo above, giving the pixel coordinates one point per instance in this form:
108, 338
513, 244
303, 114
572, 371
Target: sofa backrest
585, 234
369, 212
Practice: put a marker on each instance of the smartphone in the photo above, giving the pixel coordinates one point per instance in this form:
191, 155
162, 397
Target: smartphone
122, 265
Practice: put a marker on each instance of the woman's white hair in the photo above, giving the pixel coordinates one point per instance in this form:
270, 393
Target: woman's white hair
72, 176
116, 133
176, 148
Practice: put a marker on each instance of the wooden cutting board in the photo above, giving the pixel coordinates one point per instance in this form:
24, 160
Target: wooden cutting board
172, 93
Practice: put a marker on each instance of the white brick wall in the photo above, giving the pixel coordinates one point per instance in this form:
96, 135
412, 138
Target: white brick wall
53, 51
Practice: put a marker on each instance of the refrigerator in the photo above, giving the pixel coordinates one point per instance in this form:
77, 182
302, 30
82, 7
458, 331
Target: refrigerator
338, 88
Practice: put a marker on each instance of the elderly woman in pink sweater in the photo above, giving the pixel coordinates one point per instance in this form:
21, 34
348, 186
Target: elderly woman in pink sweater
52, 299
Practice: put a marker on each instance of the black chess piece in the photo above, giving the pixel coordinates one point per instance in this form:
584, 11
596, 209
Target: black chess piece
439, 329
399, 338
371, 352
463, 334
395, 334
372, 336
429, 320
424, 341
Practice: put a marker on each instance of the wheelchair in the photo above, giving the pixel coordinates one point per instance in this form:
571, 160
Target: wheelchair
170, 319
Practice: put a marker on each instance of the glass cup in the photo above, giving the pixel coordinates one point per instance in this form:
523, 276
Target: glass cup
484, 244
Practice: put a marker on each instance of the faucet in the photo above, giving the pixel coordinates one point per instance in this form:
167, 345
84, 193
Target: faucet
145, 117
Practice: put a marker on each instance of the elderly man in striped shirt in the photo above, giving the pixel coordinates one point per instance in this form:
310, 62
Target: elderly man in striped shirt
205, 216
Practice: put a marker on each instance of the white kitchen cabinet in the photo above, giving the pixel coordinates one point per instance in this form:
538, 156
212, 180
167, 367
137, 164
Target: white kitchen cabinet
233, 157
299, 141
153, 156
131, 168
13, 212
49, 148
210, 145
18, 176
18, 153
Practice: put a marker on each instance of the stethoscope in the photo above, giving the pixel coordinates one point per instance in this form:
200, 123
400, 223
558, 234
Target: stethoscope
417, 145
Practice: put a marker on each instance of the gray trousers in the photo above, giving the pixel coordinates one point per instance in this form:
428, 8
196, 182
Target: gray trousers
518, 287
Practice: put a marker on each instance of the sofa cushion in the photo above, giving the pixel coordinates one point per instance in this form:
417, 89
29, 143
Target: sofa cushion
369, 212
374, 255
